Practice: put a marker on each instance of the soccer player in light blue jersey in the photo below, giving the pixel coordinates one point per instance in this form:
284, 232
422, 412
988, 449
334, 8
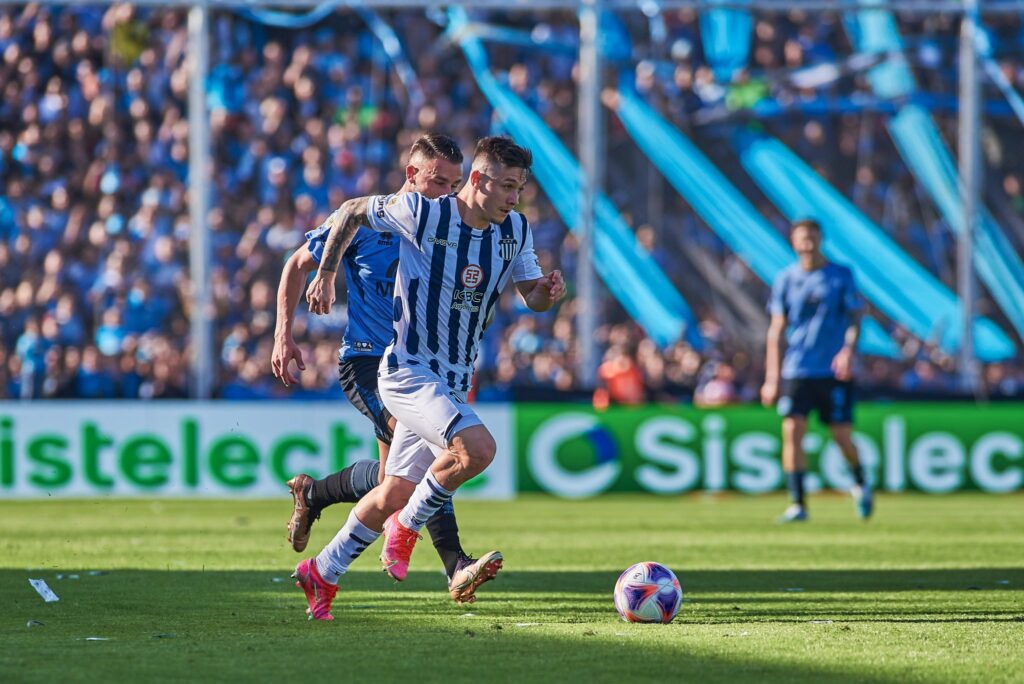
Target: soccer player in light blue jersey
371, 264
815, 305
457, 255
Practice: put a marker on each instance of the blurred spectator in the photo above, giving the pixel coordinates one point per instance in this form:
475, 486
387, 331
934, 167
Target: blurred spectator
94, 223
720, 388
620, 378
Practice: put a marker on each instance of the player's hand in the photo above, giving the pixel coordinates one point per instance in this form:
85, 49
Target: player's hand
769, 394
285, 350
320, 293
842, 365
554, 284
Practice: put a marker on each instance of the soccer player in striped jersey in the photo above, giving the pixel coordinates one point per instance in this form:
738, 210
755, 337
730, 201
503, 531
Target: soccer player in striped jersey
371, 263
457, 254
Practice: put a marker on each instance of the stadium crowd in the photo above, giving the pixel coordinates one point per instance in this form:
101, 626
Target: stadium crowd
94, 226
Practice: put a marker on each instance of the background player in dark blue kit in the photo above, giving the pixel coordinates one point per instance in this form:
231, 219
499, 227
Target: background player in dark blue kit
371, 262
816, 306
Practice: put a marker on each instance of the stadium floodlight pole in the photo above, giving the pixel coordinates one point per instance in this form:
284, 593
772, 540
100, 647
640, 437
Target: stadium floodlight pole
590, 137
970, 190
199, 202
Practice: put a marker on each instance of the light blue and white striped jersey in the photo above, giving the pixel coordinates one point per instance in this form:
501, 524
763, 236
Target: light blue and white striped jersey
449, 279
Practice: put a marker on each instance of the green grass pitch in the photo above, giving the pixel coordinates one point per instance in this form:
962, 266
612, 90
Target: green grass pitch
932, 590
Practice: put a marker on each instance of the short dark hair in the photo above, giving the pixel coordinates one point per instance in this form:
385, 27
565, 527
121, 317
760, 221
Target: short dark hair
437, 146
503, 150
809, 223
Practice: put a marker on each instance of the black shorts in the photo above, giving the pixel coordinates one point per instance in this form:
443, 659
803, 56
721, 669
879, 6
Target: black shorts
358, 378
832, 399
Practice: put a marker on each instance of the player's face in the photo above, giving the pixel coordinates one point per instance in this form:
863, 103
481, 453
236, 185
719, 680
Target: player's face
501, 190
806, 241
435, 178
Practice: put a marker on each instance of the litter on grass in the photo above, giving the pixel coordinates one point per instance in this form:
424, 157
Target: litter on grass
44, 590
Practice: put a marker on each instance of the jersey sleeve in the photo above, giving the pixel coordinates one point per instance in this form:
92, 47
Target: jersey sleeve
777, 298
397, 214
852, 299
527, 265
315, 240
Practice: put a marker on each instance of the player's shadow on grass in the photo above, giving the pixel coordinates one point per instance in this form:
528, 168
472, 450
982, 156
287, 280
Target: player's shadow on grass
229, 625
736, 596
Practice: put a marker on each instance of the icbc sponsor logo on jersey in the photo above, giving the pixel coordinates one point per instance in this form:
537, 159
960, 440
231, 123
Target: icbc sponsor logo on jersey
472, 275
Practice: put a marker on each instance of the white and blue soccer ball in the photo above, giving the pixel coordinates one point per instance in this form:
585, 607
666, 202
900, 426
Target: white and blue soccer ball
648, 592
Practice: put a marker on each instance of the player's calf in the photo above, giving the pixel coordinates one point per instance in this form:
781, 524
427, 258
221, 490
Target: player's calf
401, 531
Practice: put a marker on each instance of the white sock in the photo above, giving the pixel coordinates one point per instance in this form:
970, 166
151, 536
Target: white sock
426, 500
351, 540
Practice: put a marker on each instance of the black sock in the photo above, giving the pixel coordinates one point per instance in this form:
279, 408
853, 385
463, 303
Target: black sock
444, 532
345, 486
858, 474
796, 487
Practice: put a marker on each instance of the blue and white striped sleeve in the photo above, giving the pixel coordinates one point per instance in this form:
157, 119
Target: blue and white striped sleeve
526, 265
397, 214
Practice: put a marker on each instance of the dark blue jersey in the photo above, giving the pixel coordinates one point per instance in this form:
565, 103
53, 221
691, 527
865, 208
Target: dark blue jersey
817, 305
371, 263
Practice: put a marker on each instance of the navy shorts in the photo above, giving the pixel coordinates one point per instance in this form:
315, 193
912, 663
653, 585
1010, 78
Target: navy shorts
358, 378
831, 398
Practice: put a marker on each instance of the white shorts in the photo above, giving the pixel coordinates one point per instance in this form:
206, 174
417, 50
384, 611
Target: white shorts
428, 415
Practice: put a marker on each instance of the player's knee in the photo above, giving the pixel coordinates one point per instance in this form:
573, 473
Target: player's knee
843, 436
475, 448
395, 493
483, 451
793, 428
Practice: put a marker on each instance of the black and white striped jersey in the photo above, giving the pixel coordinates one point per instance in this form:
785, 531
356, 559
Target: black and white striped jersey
449, 279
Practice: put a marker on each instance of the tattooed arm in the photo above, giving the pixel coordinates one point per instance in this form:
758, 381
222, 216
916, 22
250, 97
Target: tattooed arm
344, 223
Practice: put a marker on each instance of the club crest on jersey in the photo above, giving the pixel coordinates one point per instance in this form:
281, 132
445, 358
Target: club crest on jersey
507, 248
471, 276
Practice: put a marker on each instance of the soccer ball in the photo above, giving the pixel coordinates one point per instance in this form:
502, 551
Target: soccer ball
648, 592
